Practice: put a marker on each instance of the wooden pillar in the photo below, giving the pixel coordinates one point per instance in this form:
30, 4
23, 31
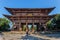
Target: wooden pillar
12, 28
18, 23
39, 26
33, 27
13, 23
20, 28
45, 27
26, 27
27, 24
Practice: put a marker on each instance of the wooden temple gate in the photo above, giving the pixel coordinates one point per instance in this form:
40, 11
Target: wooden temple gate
23, 17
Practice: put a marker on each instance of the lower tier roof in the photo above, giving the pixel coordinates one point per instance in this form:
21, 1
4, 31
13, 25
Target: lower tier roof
16, 16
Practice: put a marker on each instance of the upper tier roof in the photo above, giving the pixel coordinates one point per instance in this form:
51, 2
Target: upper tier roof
30, 10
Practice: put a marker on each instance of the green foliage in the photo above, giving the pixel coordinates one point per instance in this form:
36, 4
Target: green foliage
58, 21
4, 27
54, 23
49, 24
4, 21
57, 17
4, 24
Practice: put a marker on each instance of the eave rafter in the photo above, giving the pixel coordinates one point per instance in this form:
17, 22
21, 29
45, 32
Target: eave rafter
9, 17
49, 18
42, 17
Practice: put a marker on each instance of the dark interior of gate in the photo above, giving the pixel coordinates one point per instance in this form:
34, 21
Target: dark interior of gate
30, 27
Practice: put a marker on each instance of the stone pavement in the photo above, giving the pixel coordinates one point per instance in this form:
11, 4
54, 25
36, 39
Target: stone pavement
45, 37
9, 36
1, 38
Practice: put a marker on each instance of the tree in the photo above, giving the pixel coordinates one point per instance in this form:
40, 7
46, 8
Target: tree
54, 23
49, 25
58, 21
4, 24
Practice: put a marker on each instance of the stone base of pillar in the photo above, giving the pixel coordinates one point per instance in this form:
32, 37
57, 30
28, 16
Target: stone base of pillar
26, 30
20, 29
45, 27
12, 30
32, 31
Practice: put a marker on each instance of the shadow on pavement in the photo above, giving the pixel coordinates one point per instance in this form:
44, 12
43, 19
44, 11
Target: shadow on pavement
1, 33
54, 35
29, 37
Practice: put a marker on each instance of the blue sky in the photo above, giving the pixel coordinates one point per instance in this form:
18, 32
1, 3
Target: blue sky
29, 4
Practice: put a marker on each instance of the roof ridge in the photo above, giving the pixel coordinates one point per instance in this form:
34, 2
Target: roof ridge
31, 8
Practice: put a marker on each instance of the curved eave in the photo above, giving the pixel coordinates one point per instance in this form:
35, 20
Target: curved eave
10, 9
43, 17
30, 8
49, 17
52, 15
8, 16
